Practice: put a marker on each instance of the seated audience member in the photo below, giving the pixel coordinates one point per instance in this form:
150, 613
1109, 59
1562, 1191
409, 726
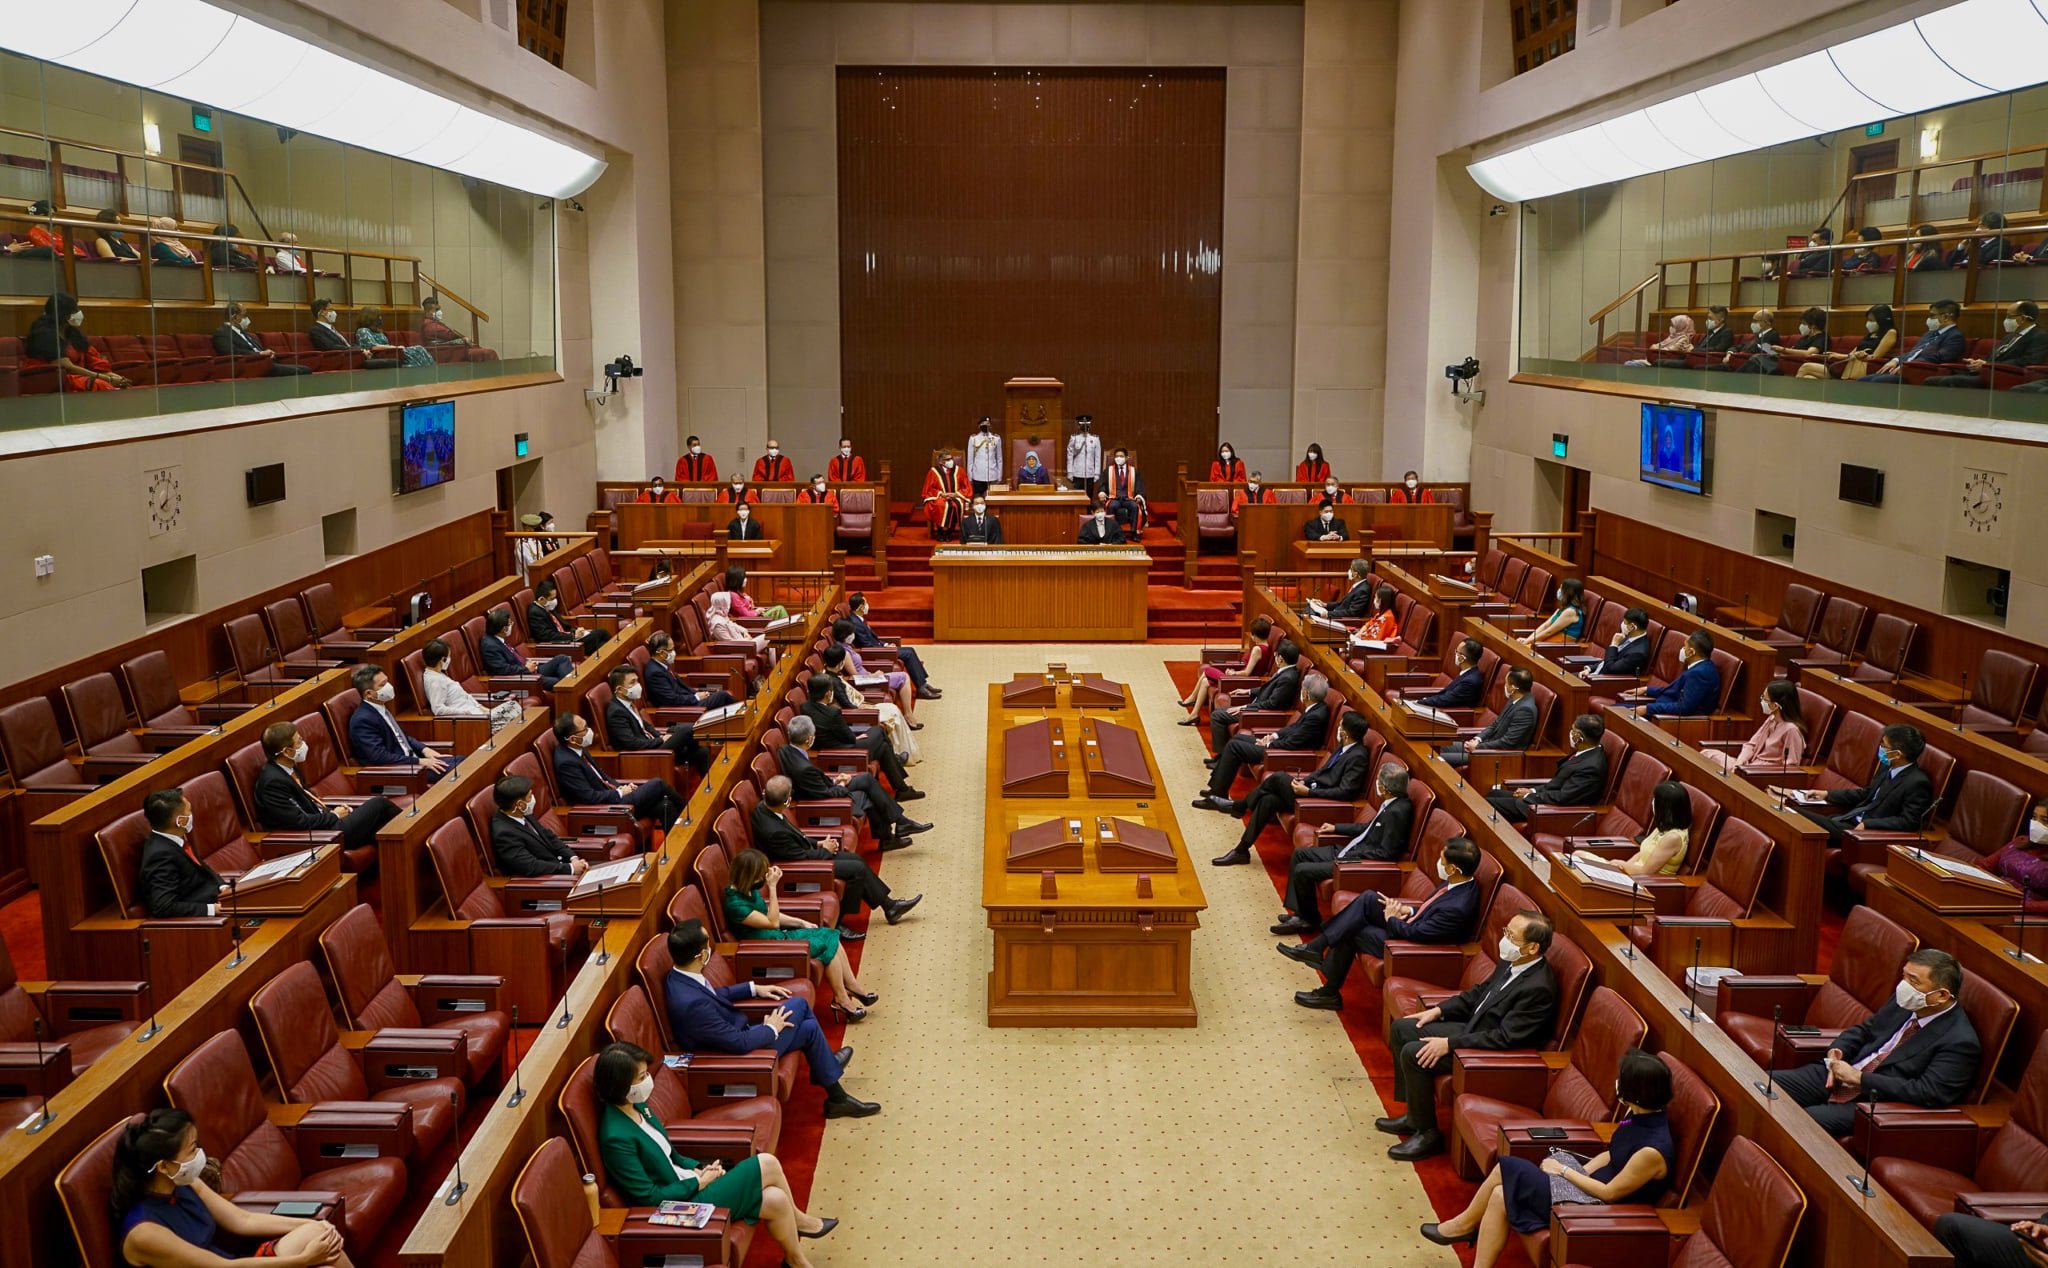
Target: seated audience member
897, 681
1226, 467
1033, 471
864, 637
1919, 1048
500, 660
167, 1216
447, 699
1991, 248
1880, 336
1258, 662
774, 466
284, 259
1897, 799
743, 527
887, 822
435, 332
697, 466
1277, 692
944, 497
2024, 344
583, 783
1340, 778
42, 241
1636, 1167
829, 693
1514, 1008
1759, 345
1101, 528
1675, 344
1311, 468
1980, 1243
1865, 257
323, 334
112, 244
1513, 729
743, 603
1383, 626
1334, 494
1578, 781
703, 1019
227, 255
542, 623
1811, 347
1467, 688
1448, 915
1124, 490
720, 626
657, 490
1382, 838
846, 466
1628, 652
2024, 859
1359, 597
1819, 259
666, 689
371, 339
175, 883
1410, 490
1304, 734
232, 339
1661, 850
283, 803
1720, 336
753, 909
1779, 740
629, 732
1326, 527
1569, 620
374, 736
1254, 491
648, 1169
57, 338
1943, 344
980, 528
1926, 255
522, 845
1696, 690
774, 834
165, 248
818, 493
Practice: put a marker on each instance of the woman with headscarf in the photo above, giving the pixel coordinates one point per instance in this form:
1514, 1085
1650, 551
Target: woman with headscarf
718, 623
1677, 343
57, 337
370, 338
168, 250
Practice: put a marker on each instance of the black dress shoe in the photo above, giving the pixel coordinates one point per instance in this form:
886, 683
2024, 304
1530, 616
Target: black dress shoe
851, 935
1427, 1143
848, 1107
1327, 1000
896, 909
1187, 722
1201, 802
1398, 1125
887, 844
1300, 953
1235, 858
1291, 923
915, 726
1209, 762
1435, 1233
911, 827
844, 1057
930, 692
826, 1224
911, 794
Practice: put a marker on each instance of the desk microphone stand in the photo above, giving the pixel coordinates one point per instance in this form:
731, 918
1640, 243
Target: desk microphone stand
518, 1090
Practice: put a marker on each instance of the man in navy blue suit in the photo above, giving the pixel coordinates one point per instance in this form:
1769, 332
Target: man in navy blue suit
1696, 690
1628, 654
667, 691
1467, 689
374, 736
865, 637
1943, 344
704, 1019
1341, 778
500, 659
1447, 916
583, 784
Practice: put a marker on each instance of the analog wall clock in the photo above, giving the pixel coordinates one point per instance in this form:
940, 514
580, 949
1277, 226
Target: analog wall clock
1983, 500
164, 498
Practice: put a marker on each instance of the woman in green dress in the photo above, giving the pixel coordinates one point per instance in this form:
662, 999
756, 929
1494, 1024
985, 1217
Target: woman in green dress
752, 910
642, 1165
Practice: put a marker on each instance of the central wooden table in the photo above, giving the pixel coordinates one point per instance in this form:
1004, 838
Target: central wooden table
1047, 594
1095, 954
1038, 515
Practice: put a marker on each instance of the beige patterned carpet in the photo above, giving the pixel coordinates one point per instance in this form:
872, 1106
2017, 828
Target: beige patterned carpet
1245, 1140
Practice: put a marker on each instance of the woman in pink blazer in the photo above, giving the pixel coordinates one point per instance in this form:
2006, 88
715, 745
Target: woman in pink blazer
1779, 740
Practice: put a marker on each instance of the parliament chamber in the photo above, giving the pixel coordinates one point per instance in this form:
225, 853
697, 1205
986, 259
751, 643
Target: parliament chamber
750, 632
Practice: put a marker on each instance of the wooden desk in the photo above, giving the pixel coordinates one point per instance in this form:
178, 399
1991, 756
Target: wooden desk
1331, 557
1007, 594
1267, 529
1050, 516
800, 531
1096, 954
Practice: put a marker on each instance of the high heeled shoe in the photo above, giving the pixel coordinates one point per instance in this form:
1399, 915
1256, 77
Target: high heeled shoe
852, 1016
1435, 1233
869, 998
826, 1224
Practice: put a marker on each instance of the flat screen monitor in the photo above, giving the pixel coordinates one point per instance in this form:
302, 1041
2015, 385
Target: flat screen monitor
1862, 485
1678, 447
423, 450
264, 484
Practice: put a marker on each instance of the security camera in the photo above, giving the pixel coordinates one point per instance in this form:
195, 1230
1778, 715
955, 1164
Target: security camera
1498, 209
574, 205
621, 368
1461, 376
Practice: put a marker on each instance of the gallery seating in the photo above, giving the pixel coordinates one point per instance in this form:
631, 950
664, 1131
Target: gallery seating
373, 997
1866, 966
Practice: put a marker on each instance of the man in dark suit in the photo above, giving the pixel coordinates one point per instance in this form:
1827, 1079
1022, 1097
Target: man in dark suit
284, 805
1992, 248
522, 844
629, 732
1762, 334
1384, 837
830, 692
1513, 729
1980, 1243
1628, 653
775, 836
583, 784
1101, 529
232, 339
1919, 1048
1696, 689
1325, 527
703, 1019
1355, 603
174, 882
666, 689
892, 829
1277, 692
500, 660
1468, 688
743, 527
323, 334
1514, 1008
981, 528
1578, 781
542, 623
2025, 344
1304, 734
374, 736
1341, 778
1943, 344
1897, 798
865, 637
1719, 338
1448, 915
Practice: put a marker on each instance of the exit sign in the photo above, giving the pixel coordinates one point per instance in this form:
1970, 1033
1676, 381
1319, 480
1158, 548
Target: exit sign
202, 120
1559, 442
1873, 129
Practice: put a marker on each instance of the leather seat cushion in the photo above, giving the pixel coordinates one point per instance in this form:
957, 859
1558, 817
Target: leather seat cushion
435, 1106
484, 1041
1752, 1032
88, 1046
762, 1113
371, 1191
1926, 1191
1476, 1120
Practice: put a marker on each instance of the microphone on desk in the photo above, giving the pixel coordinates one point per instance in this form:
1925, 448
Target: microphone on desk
234, 924
1692, 977
2018, 950
276, 663
1861, 1183
1769, 1087
600, 924
518, 1090
1579, 823
217, 715
1899, 670
459, 1187
1965, 700
1635, 895
43, 1117
152, 1030
562, 1022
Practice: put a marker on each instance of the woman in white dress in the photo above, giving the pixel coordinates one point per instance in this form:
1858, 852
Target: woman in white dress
447, 699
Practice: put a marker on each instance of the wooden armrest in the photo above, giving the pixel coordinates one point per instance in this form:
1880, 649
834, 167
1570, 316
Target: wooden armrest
441, 996
1371, 876
1938, 1138
1519, 1078
332, 1136
393, 1058
536, 893
1438, 965
2005, 1208
704, 1140
29, 1069
1317, 811
105, 769
771, 960
720, 1076
1512, 1139
1758, 994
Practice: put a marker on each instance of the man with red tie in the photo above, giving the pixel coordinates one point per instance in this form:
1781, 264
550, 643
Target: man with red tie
174, 882
819, 492
945, 497
1448, 915
1254, 490
846, 467
1125, 490
774, 467
695, 464
738, 492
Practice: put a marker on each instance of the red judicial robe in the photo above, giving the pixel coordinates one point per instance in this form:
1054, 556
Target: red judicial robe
944, 503
701, 467
808, 494
852, 470
667, 496
776, 470
1400, 493
725, 495
1311, 473
1233, 474
1264, 496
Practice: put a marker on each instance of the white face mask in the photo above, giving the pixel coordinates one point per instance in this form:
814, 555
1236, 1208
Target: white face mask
979, 511
1326, 517
1805, 329
299, 752
1227, 455
1756, 327
549, 604
633, 692
243, 322
1510, 949
774, 453
1906, 996
1119, 462
1098, 517
183, 826
1443, 870
2011, 324
1713, 323
1870, 327
819, 487
695, 450
949, 464
1934, 323
738, 489
188, 1170
657, 490
1410, 483
437, 314
2037, 832
583, 738
77, 317
385, 694
667, 657
846, 451
641, 1090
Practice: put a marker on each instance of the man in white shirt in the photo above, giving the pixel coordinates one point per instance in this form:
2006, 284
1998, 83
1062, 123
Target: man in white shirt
1084, 455
984, 457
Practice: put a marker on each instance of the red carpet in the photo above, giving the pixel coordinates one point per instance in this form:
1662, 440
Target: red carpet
21, 928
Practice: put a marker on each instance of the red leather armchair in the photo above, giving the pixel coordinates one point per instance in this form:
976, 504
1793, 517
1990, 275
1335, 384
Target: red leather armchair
255, 658
110, 747
33, 749
1627, 815
1989, 812
1836, 635
1491, 1090
776, 962
2000, 692
1866, 967
714, 1077
81, 1021
632, 1020
1727, 894
1409, 884
534, 951
285, 620
713, 864
2015, 1159
1753, 1212
1885, 649
373, 997
548, 1198
1798, 612
153, 689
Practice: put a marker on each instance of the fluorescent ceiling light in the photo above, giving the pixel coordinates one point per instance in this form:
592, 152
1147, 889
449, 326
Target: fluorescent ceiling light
193, 50
1934, 61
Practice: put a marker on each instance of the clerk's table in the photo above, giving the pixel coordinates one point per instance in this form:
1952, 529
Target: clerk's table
1039, 594
1038, 515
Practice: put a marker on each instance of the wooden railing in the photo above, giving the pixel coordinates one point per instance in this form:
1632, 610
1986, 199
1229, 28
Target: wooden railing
1599, 320
180, 170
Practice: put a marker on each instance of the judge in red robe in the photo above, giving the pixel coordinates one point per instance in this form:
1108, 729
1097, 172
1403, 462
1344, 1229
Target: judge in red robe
1227, 467
846, 467
737, 492
945, 498
1251, 492
774, 467
656, 491
817, 492
1312, 469
695, 464
1410, 490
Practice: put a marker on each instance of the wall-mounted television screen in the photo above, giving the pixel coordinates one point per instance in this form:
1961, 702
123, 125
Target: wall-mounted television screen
423, 446
1862, 485
1678, 447
264, 485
